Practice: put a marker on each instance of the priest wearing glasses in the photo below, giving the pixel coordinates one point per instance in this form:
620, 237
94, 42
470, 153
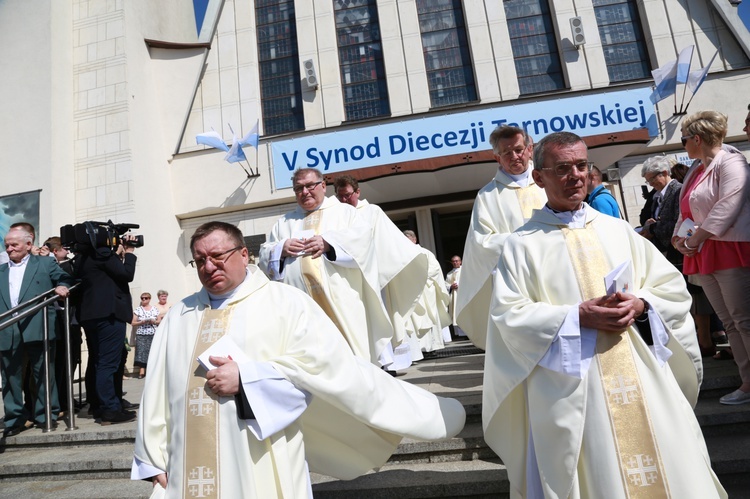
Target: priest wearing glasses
589, 390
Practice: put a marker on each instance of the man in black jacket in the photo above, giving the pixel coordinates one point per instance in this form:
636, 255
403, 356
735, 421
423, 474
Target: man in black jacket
105, 309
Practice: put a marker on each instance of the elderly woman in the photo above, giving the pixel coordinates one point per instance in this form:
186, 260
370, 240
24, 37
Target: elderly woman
715, 197
665, 206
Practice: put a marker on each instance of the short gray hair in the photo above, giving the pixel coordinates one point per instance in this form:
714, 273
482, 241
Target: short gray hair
507, 132
557, 139
304, 171
656, 164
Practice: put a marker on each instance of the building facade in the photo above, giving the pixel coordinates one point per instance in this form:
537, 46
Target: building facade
101, 102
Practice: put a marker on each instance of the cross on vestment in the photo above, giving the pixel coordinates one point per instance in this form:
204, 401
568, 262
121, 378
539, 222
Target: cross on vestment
212, 332
623, 390
642, 470
200, 403
201, 484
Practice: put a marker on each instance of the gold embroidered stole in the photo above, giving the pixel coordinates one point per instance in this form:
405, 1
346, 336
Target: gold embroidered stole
201, 464
530, 199
311, 270
638, 454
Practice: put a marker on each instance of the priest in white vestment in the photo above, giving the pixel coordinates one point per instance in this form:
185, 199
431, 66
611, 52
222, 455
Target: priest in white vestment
589, 392
325, 249
406, 269
452, 279
501, 207
283, 395
430, 316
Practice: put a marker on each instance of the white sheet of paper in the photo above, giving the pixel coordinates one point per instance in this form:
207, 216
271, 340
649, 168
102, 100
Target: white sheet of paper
620, 278
687, 228
224, 347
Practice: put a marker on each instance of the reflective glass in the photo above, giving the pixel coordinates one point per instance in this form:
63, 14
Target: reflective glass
280, 79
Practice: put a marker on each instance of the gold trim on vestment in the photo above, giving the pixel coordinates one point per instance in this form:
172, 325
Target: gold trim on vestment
311, 271
201, 463
641, 468
530, 199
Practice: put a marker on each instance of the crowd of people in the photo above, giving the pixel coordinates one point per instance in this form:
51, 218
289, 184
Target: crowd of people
100, 306
593, 332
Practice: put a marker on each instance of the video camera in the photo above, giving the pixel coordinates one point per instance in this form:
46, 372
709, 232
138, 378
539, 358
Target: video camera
101, 237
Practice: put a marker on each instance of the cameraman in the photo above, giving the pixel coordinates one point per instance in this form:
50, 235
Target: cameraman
105, 308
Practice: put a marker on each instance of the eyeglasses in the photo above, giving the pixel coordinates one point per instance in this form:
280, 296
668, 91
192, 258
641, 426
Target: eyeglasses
299, 188
518, 151
217, 260
145, 297
345, 195
565, 169
650, 181
685, 139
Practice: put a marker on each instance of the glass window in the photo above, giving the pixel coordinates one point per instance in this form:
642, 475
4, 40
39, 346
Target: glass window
446, 52
280, 81
534, 44
622, 40
361, 59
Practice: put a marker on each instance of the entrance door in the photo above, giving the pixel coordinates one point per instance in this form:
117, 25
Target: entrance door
450, 235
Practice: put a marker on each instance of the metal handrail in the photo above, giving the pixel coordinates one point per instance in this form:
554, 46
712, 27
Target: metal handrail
16, 315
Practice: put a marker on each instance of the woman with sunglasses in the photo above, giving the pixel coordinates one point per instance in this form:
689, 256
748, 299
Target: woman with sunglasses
715, 197
145, 319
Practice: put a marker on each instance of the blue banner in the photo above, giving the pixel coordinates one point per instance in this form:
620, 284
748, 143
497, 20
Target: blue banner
460, 133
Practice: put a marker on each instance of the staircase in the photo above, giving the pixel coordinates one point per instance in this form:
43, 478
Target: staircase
94, 461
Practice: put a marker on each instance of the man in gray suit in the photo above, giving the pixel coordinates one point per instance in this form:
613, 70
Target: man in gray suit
22, 278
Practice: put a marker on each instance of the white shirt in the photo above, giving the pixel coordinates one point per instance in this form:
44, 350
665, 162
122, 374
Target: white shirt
15, 279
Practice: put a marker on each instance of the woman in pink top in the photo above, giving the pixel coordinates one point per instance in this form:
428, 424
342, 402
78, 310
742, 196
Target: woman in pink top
715, 197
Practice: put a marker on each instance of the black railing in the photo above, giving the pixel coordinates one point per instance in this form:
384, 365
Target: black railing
31, 307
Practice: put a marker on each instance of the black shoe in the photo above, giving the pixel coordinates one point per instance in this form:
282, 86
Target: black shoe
13, 431
129, 405
111, 417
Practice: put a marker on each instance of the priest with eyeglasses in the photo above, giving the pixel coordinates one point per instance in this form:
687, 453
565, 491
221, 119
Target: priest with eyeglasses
592, 367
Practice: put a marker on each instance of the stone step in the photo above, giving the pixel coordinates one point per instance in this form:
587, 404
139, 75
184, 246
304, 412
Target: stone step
84, 462
121, 488
477, 479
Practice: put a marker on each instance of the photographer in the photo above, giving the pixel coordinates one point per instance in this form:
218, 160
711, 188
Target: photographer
106, 307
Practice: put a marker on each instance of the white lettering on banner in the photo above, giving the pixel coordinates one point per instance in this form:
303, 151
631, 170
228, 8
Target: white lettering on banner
460, 133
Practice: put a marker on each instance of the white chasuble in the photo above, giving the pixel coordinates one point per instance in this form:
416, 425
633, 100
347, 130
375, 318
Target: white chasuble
351, 290
345, 431
587, 442
500, 208
402, 268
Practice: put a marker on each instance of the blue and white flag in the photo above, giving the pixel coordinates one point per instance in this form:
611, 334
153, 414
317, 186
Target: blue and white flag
695, 79
251, 139
683, 64
665, 79
211, 139
235, 153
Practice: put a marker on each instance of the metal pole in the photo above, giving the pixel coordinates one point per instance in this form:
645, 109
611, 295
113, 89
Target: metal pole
69, 369
47, 403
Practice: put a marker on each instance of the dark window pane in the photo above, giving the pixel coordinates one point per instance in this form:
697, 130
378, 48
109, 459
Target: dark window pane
452, 96
361, 59
622, 39
534, 45
446, 52
427, 6
280, 87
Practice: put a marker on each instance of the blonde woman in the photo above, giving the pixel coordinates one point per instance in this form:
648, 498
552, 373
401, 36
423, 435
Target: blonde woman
715, 197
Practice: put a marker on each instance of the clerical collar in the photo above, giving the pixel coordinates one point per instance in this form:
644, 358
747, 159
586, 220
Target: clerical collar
23, 261
575, 219
521, 179
220, 301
